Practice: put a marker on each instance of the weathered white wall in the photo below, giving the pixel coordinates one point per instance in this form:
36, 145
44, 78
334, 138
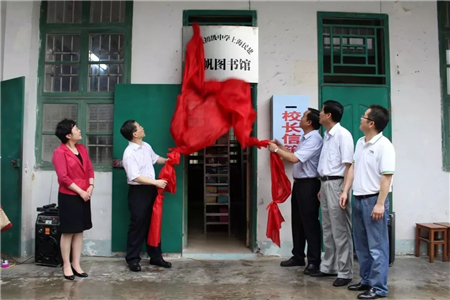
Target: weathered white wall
21, 59
97, 241
21, 52
288, 48
157, 40
421, 187
288, 65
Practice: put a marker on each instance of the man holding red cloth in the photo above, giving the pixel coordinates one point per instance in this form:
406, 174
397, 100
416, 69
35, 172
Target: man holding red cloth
304, 202
138, 161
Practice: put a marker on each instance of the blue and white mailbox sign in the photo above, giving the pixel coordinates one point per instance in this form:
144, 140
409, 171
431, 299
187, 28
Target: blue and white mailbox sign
287, 110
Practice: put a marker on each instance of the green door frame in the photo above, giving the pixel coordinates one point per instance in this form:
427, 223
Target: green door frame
232, 18
343, 15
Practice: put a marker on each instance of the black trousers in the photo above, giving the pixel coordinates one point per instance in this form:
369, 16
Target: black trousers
305, 220
140, 203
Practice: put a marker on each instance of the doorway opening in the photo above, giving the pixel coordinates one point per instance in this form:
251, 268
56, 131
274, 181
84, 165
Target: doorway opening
218, 202
212, 225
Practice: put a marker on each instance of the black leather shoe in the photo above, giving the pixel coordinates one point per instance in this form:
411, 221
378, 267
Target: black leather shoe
71, 277
317, 273
341, 281
79, 274
292, 262
310, 269
134, 267
160, 262
359, 287
370, 294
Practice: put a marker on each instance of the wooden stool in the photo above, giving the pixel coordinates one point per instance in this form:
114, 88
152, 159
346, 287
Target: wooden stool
432, 243
448, 236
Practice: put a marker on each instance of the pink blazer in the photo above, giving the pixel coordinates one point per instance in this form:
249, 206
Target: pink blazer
70, 170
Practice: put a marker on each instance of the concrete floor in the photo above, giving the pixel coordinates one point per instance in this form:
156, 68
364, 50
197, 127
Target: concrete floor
262, 278
214, 243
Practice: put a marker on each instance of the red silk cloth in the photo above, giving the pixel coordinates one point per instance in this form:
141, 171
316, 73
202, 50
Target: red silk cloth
204, 112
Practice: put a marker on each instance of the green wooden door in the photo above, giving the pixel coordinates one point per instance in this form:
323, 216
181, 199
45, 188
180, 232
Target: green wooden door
356, 100
353, 52
12, 99
152, 105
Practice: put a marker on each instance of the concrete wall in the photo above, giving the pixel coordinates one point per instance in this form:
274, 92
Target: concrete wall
415, 88
288, 65
21, 59
40, 187
421, 187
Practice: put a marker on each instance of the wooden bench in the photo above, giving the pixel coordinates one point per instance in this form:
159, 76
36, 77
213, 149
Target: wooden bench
431, 239
448, 236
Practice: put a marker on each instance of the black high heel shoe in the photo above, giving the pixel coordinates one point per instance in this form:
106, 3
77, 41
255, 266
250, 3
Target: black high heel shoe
71, 277
78, 274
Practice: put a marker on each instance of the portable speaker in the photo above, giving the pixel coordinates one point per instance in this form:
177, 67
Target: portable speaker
47, 238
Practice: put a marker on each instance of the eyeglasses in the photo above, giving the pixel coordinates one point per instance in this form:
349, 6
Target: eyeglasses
138, 127
364, 117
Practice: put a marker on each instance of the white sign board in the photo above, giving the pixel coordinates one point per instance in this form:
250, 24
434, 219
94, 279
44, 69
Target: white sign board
287, 110
230, 51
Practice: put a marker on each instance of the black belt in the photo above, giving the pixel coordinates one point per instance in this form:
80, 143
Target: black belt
359, 197
142, 186
305, 179
326, 178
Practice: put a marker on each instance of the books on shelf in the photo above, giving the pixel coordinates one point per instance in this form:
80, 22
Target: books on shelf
217, 180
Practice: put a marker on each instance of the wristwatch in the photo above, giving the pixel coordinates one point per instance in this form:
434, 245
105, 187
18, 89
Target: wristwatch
276, 149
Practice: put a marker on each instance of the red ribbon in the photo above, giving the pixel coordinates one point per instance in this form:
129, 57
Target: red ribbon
167, 173
204, 112
281, 190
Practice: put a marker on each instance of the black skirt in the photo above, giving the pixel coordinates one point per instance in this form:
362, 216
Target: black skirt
74, 213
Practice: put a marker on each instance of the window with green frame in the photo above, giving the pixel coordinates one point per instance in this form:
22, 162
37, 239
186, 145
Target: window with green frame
444, 53
352, 49
85, 51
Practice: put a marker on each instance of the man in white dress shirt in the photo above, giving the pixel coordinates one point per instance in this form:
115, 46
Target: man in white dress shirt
138, 161
304, 204
335, 161
373, 168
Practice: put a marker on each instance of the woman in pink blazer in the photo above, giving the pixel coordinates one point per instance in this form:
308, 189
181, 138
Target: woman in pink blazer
76, 183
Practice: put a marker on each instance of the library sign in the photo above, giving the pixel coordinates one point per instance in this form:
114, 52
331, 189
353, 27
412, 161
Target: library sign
230, 51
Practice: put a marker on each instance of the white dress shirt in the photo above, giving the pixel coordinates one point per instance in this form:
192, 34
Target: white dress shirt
139, 160
337, 150
308, 154
372, 160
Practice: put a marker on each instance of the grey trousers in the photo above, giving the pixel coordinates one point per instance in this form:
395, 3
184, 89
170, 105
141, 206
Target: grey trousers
337, 231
